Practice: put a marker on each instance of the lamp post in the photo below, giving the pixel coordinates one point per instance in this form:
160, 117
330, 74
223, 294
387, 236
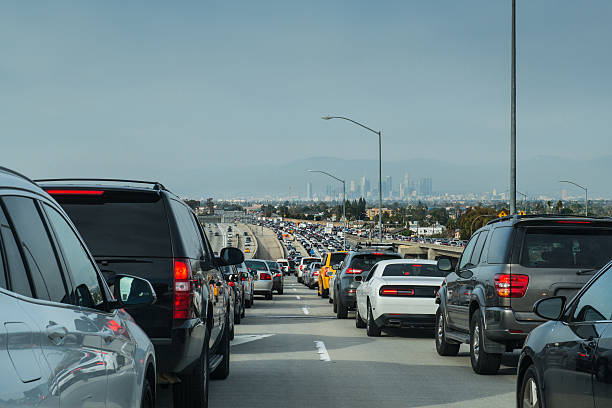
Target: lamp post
343, 202
586, 195
379, 133
513, 114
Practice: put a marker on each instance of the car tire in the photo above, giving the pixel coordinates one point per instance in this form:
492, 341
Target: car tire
372, 329
252, 300
280, 291
443, 347
269, 296
325, 293
243, 313
482, 362
192, 391
530, 396
359, 323
237, 316
147, 400
247, 303
223, 369
330, 300
341, 310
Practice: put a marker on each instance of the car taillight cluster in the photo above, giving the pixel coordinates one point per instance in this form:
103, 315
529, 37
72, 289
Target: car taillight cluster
182, 289
315, 273
511, 285
351, 291
265, 276
354, 271
232, 284
278, 275
386, 291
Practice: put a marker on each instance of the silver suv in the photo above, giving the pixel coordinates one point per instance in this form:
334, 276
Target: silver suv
67, 338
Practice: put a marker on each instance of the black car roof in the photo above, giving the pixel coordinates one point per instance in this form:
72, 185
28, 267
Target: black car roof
109, 184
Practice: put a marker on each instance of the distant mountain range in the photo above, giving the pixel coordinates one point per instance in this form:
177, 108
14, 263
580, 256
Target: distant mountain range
539, 175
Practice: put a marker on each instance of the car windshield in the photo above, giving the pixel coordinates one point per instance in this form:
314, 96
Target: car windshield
336, 258
119, 223
256, 265
407, 269
366, 261
566, 248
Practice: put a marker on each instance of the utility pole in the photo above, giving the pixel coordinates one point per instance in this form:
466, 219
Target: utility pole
513, 116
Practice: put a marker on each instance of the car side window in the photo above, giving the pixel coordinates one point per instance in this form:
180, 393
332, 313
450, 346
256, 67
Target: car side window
41, 259
13, 262
467, 253
190, 236
475, 258
595, 304
88, 291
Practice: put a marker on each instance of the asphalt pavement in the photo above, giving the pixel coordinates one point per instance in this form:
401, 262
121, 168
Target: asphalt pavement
293, 352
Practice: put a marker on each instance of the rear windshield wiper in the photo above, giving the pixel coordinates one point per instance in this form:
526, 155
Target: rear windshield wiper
586, 271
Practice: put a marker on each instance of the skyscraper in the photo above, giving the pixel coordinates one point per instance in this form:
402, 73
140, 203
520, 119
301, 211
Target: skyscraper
388, 187
309, 191
425, 186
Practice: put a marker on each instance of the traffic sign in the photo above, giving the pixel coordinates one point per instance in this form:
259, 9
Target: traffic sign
502, 214
522, 213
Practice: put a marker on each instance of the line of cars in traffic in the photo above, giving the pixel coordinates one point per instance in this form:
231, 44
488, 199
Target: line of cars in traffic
108, 289
540, 284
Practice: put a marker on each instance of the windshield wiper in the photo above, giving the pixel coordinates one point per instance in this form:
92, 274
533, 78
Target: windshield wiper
586, 271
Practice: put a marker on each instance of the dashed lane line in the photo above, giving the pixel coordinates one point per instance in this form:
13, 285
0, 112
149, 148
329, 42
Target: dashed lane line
305, 310
322, 350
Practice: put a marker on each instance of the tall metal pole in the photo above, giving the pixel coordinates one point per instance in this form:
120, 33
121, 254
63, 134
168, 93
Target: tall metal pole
344, 214
586, 195
380, 213
513, 116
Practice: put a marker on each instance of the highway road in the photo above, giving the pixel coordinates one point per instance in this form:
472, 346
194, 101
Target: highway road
280, 359
217, 242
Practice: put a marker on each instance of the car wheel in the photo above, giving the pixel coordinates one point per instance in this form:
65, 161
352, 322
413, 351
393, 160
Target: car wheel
247, 303
243, 313
192, 391
371, 328
359, 323
237, 315
330, 300
482, 362
147, 395
335, 302
341, 310
443, 347
280, 291
269, 296
530, 390
222, 370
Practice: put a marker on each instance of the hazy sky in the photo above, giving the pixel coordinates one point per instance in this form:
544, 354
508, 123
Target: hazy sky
158, 89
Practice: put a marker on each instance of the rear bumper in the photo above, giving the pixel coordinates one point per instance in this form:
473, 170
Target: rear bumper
501, 325
406, 320
179, 353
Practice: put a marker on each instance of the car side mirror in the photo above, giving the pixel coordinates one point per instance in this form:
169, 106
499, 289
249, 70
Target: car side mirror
550, 308
231, 256
131, 291
445, 265
358, 278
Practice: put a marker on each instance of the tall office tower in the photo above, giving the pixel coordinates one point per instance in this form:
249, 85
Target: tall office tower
366, 187
352, 187
406, 182
309, 191
402, 191
425, 186
388, 186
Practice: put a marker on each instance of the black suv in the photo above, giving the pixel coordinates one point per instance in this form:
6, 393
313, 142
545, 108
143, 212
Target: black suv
508, 265
142, 229
355, 263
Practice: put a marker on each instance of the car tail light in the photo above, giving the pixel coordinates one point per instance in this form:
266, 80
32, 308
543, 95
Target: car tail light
351, 290
354, 271
511, 285
386, 291
278, 275
377, 253
232, 284
265, 276
315, 273
75, 192
182, 289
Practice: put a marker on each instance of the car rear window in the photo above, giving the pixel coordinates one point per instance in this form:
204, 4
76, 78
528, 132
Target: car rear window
272, 265
119, 223
566, 248
406, 269
337, 258
256, 265
366, 261
308, 261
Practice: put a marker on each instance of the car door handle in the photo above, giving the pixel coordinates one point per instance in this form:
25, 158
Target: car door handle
56, 334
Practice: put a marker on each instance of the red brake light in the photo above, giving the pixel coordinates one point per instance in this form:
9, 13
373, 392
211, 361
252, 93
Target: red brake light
232, 284
377, 253
265, 276
354, 271
75, 192
416, 266
386, 291
182, 289
511, 285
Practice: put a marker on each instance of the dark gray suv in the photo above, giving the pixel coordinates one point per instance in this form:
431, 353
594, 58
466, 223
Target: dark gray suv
508, 265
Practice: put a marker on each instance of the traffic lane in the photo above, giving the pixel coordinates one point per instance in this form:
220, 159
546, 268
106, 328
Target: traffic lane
401, 368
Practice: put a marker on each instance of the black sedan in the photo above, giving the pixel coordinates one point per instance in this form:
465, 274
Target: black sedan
567, 361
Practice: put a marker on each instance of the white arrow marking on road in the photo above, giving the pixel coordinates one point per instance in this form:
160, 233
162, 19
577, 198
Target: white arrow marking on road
246, 338
298, 298
323, 354
305, 310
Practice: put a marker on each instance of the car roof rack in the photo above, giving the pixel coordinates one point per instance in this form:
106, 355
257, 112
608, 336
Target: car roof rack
156, 184
16, 173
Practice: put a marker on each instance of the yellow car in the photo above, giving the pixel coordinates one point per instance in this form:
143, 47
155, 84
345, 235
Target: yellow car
327, 270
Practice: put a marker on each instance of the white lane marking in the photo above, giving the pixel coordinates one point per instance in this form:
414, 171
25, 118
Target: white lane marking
322, 350
298, 298
294, 289
246, 338
305, 310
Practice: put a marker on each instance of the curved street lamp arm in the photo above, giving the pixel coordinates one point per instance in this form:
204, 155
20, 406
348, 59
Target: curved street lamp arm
351, 120
324, 172
571, 182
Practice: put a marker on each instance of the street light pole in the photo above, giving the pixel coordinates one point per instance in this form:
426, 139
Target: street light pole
586, 195
379, 133
513, 116
343, 201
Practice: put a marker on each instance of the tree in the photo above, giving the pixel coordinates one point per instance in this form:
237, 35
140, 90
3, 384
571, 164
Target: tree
474, 218
210, 206
194, 204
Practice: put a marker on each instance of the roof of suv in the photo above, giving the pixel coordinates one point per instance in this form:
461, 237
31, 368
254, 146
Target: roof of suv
536, 219
12, 179
110, 184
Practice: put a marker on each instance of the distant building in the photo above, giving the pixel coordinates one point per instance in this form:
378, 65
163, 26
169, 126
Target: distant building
309, 191
372, 213
425, 187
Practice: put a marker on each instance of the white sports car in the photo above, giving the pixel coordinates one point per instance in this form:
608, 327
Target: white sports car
398, 293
